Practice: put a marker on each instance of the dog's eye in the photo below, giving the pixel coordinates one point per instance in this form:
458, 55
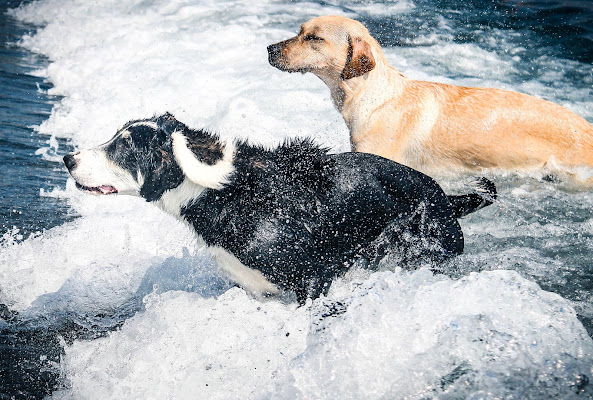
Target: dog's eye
312, 38
124, 141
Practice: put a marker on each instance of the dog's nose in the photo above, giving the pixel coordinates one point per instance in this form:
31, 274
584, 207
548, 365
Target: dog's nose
273, 53
69, 161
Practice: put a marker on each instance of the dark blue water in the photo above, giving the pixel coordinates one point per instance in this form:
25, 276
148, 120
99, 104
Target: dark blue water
30, 350
28, 354
23, 104
547, 27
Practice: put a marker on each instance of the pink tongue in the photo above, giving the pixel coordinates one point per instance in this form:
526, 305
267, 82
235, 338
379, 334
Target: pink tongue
105, 189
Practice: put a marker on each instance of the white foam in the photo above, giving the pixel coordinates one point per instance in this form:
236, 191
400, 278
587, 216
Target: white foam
229, 347
386, 8
107, 251
402, 336
413, 335
192, 61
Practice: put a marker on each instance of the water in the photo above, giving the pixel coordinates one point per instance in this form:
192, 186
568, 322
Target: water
23, 104
110, 298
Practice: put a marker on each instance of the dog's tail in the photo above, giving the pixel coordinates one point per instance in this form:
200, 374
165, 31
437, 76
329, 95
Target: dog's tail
484, 195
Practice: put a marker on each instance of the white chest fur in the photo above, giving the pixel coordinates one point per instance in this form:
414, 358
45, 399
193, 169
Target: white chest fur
173, 200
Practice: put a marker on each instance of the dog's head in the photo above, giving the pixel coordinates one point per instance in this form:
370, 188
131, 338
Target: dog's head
149, 157
331, 46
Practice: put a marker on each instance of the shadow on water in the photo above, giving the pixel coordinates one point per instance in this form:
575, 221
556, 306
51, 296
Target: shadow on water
32, 344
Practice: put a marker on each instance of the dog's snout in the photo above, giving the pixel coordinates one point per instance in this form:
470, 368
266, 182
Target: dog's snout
70, 161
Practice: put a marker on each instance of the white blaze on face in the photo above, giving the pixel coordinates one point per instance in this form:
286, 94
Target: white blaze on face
95, 170
150, 124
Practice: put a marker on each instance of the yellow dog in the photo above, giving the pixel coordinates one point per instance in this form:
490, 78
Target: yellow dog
427, 125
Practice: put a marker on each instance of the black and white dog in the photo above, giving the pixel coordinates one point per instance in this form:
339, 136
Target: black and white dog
288, 219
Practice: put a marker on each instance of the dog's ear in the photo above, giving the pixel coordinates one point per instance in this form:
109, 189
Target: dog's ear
167, 124
163, 174
203, 158
359, 60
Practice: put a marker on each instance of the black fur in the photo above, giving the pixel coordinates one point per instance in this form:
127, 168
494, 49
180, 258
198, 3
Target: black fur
302, 216
323, 212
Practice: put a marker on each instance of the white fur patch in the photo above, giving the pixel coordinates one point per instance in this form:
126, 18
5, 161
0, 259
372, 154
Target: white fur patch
209, 176
248, 278
172, 201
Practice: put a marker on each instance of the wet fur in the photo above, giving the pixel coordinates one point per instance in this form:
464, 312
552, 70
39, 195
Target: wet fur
432, 127
290, 218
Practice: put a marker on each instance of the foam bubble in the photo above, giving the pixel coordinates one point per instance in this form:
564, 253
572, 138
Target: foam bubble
187, 346
104, 253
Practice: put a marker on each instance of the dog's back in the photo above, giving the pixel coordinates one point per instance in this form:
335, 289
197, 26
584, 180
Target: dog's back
452, 127
420, 217
303, 220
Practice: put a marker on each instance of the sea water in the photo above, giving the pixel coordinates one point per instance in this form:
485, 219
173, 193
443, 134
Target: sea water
121, 302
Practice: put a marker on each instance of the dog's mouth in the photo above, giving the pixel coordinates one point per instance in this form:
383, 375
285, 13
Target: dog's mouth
280, 63
301, 70
283, 67
98, 190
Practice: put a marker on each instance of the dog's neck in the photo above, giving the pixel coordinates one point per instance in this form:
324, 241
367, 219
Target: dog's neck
358, 97
173, 200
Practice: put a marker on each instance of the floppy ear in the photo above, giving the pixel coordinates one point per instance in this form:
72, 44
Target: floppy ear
359, 60
203, 159
163, 175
